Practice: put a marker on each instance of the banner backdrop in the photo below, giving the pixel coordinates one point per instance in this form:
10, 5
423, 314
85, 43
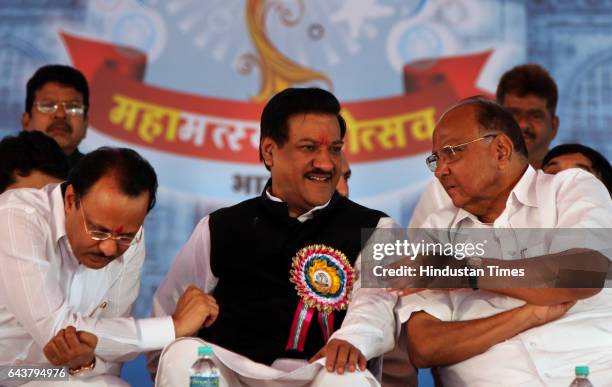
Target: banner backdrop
184, 82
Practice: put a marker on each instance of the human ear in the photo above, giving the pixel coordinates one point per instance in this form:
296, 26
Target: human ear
504, 149
268, 147
70, 198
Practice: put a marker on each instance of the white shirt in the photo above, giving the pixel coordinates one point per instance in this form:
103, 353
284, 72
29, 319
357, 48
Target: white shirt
433, 199
43, 288
543, 355
192, 266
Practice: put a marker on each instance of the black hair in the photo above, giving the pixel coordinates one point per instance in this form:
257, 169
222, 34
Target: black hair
529, 79
601, 165
492, 117
64, 75
133, 173
27, 152
291, 101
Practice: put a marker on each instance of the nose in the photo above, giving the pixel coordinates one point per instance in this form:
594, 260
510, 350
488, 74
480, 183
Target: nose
521, 120
108, 247
61, 111
441, 168
324, 160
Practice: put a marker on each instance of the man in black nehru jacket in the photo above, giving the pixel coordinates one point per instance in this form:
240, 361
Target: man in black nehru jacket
281, 266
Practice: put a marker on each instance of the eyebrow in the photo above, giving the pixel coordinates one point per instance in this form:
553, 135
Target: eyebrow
98, 227
307, 139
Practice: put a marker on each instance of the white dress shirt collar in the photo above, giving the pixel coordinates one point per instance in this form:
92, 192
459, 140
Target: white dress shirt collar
524, 192
58, 223
305, 216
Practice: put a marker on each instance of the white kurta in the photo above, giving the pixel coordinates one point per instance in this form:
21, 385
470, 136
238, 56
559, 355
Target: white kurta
43, 288
545, 355
192, 266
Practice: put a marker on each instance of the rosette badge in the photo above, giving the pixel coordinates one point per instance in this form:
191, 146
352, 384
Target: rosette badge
324, 279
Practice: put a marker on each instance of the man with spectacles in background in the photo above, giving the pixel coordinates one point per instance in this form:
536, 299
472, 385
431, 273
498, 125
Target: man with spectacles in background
71, 258
57, 101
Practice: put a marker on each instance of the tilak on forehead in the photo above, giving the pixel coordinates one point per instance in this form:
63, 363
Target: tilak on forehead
324, 139
118, 230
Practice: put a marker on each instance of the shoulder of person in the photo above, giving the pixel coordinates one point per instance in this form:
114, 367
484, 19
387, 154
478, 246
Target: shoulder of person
31, 201
361, 209
573, 179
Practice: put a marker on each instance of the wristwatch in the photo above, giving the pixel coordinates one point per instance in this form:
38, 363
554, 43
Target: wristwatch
473, 263
87, 367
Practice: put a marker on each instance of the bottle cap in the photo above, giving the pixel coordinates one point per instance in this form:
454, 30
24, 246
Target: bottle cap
205, 350
582, 371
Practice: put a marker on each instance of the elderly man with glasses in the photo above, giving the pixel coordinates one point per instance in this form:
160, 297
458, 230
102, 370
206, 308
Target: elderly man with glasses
71, 258
549, 236
57, 102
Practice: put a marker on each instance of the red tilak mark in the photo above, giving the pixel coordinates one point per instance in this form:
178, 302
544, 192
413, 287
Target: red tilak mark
324, 140
118, 230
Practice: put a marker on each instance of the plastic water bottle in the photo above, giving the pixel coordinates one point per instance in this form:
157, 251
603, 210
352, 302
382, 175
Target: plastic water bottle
582, 377
204, 372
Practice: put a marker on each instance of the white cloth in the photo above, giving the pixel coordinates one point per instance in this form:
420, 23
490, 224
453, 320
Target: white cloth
236, 370
545, 355
433, 199
192, 266
43, 288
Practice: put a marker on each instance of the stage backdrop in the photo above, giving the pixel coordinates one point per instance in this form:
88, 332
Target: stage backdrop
184, 81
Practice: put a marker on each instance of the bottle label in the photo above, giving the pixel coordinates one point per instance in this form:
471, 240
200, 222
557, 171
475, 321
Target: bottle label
204, 381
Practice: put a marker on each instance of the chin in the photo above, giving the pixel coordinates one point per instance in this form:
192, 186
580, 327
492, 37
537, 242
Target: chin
319, 200
95, 263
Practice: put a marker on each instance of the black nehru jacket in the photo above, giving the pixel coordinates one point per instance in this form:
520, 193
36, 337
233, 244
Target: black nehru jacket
252, 247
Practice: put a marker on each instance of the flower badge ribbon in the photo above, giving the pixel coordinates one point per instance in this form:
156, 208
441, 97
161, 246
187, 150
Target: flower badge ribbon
324, 279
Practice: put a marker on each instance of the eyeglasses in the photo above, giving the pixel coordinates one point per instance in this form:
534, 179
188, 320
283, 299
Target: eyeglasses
450, 153
97, 235
73, 108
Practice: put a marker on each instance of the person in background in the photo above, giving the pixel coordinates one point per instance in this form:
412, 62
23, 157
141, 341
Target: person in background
567, 156
345, 175
31, 160
57, 102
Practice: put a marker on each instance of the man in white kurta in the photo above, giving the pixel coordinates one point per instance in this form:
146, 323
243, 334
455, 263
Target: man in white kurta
527, 337
530, 93
63, 267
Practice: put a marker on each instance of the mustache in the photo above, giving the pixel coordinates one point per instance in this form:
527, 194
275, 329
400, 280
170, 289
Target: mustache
60, 124
319, 172
102, 256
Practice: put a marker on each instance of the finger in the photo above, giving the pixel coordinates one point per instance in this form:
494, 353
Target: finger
62, 345
353, 358
210, 299
212, 317
71, 338
331, 352
317, 355
88, 339
363, 362
342, 358
51, 353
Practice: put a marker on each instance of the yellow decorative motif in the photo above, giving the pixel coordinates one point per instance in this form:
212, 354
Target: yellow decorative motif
324, 278
277, 71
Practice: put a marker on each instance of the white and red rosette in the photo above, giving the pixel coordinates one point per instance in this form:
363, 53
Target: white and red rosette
324, 279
